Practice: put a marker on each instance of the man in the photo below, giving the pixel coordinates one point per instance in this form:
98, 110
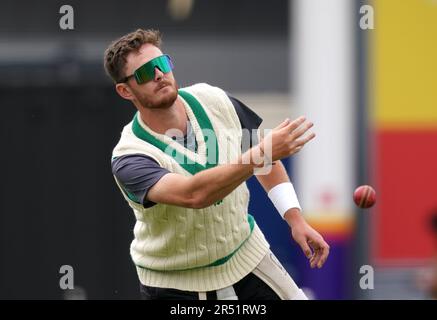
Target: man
180, 166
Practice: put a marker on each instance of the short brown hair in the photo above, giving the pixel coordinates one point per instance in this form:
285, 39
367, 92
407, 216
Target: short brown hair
118, 50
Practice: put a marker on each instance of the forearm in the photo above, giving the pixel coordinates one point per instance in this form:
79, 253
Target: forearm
279, 175
216, 183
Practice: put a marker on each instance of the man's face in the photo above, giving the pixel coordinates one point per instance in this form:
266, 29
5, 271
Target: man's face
160, 92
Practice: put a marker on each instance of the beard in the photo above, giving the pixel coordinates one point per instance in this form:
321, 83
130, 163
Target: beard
162, 98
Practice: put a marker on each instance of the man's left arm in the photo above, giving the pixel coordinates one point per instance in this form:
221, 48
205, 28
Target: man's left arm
312, 243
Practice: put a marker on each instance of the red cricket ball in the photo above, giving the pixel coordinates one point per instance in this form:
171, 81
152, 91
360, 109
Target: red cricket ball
364, 196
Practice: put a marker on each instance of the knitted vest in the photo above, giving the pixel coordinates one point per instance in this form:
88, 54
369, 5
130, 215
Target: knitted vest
194, 249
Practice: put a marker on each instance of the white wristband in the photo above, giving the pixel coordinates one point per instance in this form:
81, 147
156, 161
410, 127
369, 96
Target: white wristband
284, 198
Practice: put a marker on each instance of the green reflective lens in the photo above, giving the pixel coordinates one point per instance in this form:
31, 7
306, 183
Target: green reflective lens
147, 71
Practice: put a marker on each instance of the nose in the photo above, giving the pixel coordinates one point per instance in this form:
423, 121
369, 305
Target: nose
158, 74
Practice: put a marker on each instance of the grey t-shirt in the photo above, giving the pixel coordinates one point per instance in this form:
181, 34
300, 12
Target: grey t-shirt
137, 173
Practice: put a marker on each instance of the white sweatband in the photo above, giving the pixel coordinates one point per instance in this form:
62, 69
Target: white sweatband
284, 197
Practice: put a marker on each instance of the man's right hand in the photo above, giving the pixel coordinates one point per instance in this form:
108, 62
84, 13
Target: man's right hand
286, 139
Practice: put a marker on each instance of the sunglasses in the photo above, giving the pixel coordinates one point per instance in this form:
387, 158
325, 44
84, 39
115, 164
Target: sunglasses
147, 71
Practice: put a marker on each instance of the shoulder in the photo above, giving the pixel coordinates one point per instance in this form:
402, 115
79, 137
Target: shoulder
248, 118
130, 144
214, 101
136, 174
205, 90
132, 162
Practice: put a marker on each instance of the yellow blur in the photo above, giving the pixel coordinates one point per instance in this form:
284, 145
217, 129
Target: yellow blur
404, 47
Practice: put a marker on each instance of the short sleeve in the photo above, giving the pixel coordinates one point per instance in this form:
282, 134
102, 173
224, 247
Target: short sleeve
249, 121
137, 173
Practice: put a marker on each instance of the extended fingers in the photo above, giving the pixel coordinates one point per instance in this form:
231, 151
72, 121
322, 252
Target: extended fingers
299, 131
303, 141
290, 127
283, 124
297, 145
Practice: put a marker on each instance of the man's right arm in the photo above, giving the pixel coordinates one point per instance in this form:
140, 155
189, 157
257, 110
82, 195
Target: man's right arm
204, 188
208, 186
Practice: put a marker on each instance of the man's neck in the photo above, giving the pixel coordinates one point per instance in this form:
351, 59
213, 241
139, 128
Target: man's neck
161, 120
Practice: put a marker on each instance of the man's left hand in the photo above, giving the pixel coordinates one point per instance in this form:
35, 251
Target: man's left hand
312, 243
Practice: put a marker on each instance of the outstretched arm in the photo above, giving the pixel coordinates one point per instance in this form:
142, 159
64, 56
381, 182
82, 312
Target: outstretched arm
312, 243
208, 186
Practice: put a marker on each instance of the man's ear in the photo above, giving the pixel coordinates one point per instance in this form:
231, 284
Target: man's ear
124, 91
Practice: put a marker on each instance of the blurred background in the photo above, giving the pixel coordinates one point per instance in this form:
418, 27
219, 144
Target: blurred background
363, 71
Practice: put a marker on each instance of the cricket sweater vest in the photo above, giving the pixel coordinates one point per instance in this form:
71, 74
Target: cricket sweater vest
194, 249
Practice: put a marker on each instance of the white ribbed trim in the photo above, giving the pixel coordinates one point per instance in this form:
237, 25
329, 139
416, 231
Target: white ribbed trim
212, 278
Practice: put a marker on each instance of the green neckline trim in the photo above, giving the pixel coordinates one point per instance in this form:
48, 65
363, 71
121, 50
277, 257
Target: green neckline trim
188, 164
250, 220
